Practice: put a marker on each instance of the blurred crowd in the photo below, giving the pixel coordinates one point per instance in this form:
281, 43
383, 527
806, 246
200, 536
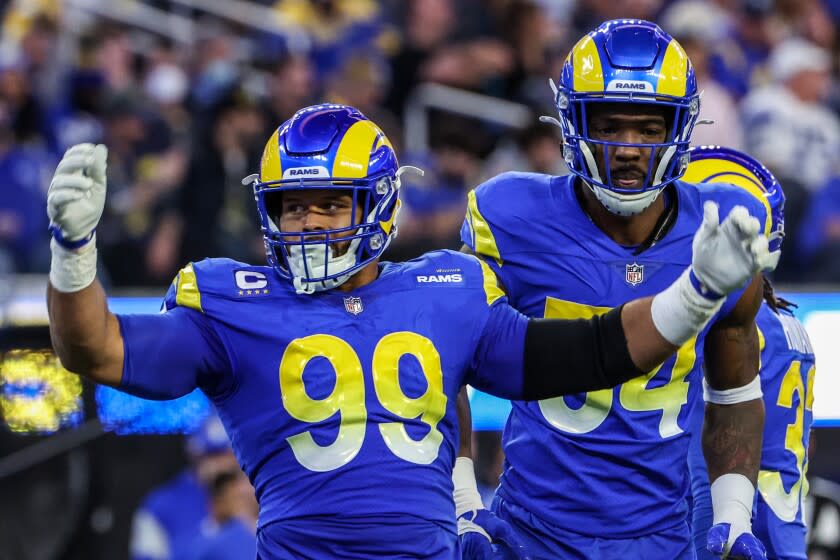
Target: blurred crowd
185, 115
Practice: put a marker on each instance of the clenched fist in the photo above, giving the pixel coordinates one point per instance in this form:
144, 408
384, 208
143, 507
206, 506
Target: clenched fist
76, 197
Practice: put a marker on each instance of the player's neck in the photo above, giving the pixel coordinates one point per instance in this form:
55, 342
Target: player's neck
624, 230
362, 278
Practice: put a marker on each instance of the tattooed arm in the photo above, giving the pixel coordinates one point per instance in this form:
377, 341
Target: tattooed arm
733, 425
732, 433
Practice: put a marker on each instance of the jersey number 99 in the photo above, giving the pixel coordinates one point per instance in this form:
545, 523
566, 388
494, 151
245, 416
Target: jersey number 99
348, 398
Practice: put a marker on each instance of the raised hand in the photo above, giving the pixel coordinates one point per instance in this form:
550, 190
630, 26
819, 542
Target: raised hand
76, 197
727, 254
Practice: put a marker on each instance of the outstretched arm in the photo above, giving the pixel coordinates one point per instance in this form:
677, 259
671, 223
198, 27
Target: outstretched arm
560, 357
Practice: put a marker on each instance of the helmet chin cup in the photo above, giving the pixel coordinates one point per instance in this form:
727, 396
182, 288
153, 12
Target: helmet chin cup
309, 264
624, 204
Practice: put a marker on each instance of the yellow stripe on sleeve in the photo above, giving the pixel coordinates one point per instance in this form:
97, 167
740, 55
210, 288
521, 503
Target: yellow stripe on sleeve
484, 242
187, 293
492, 291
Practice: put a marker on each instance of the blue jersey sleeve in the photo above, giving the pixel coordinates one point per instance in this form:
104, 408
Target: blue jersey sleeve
499, 358
499, 212
172, 353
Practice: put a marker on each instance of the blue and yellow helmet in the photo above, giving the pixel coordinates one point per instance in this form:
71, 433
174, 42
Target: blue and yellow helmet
716, 164
328, 147
636, 62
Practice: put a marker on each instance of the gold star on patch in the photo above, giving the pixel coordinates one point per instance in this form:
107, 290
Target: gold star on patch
265, 291
241, 292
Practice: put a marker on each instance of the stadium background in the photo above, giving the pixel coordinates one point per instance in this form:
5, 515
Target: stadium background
185, 92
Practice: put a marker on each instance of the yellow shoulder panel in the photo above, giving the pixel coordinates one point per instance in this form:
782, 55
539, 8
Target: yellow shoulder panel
484, 242
492, 291
187, 293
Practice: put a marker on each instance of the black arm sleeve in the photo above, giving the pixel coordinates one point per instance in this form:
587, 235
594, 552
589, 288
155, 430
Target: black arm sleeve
564, 357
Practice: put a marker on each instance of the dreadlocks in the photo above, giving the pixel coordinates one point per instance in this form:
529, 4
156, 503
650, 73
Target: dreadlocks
774, 301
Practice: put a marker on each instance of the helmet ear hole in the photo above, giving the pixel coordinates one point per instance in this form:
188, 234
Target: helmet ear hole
274, 207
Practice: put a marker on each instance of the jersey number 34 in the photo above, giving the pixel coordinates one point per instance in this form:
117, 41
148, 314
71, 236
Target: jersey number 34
634, 395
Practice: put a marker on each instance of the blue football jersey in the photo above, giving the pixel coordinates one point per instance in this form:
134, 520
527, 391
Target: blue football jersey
340, 406
787, 375
787, 381
607, 463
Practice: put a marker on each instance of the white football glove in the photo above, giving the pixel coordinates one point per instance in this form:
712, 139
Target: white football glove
725, 256
76, 197
75, 202
728, 254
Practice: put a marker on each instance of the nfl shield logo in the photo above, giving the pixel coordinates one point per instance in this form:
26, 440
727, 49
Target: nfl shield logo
634, 273
353, 305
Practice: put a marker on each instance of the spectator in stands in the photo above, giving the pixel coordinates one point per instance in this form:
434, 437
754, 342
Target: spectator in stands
698, 25
737, 60
533, 38
818, 237
291, 85
788, 126
172, 516
165, 86
24, 174
145, 168
115, 58
338, 29
25, 108
362, 82
77, 114
431, 53
434, 205
234, 509
217, 211
536, 148
216, 65
38, 50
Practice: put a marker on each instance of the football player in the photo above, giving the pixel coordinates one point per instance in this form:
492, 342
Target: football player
599, 474
786, 371
336, 375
